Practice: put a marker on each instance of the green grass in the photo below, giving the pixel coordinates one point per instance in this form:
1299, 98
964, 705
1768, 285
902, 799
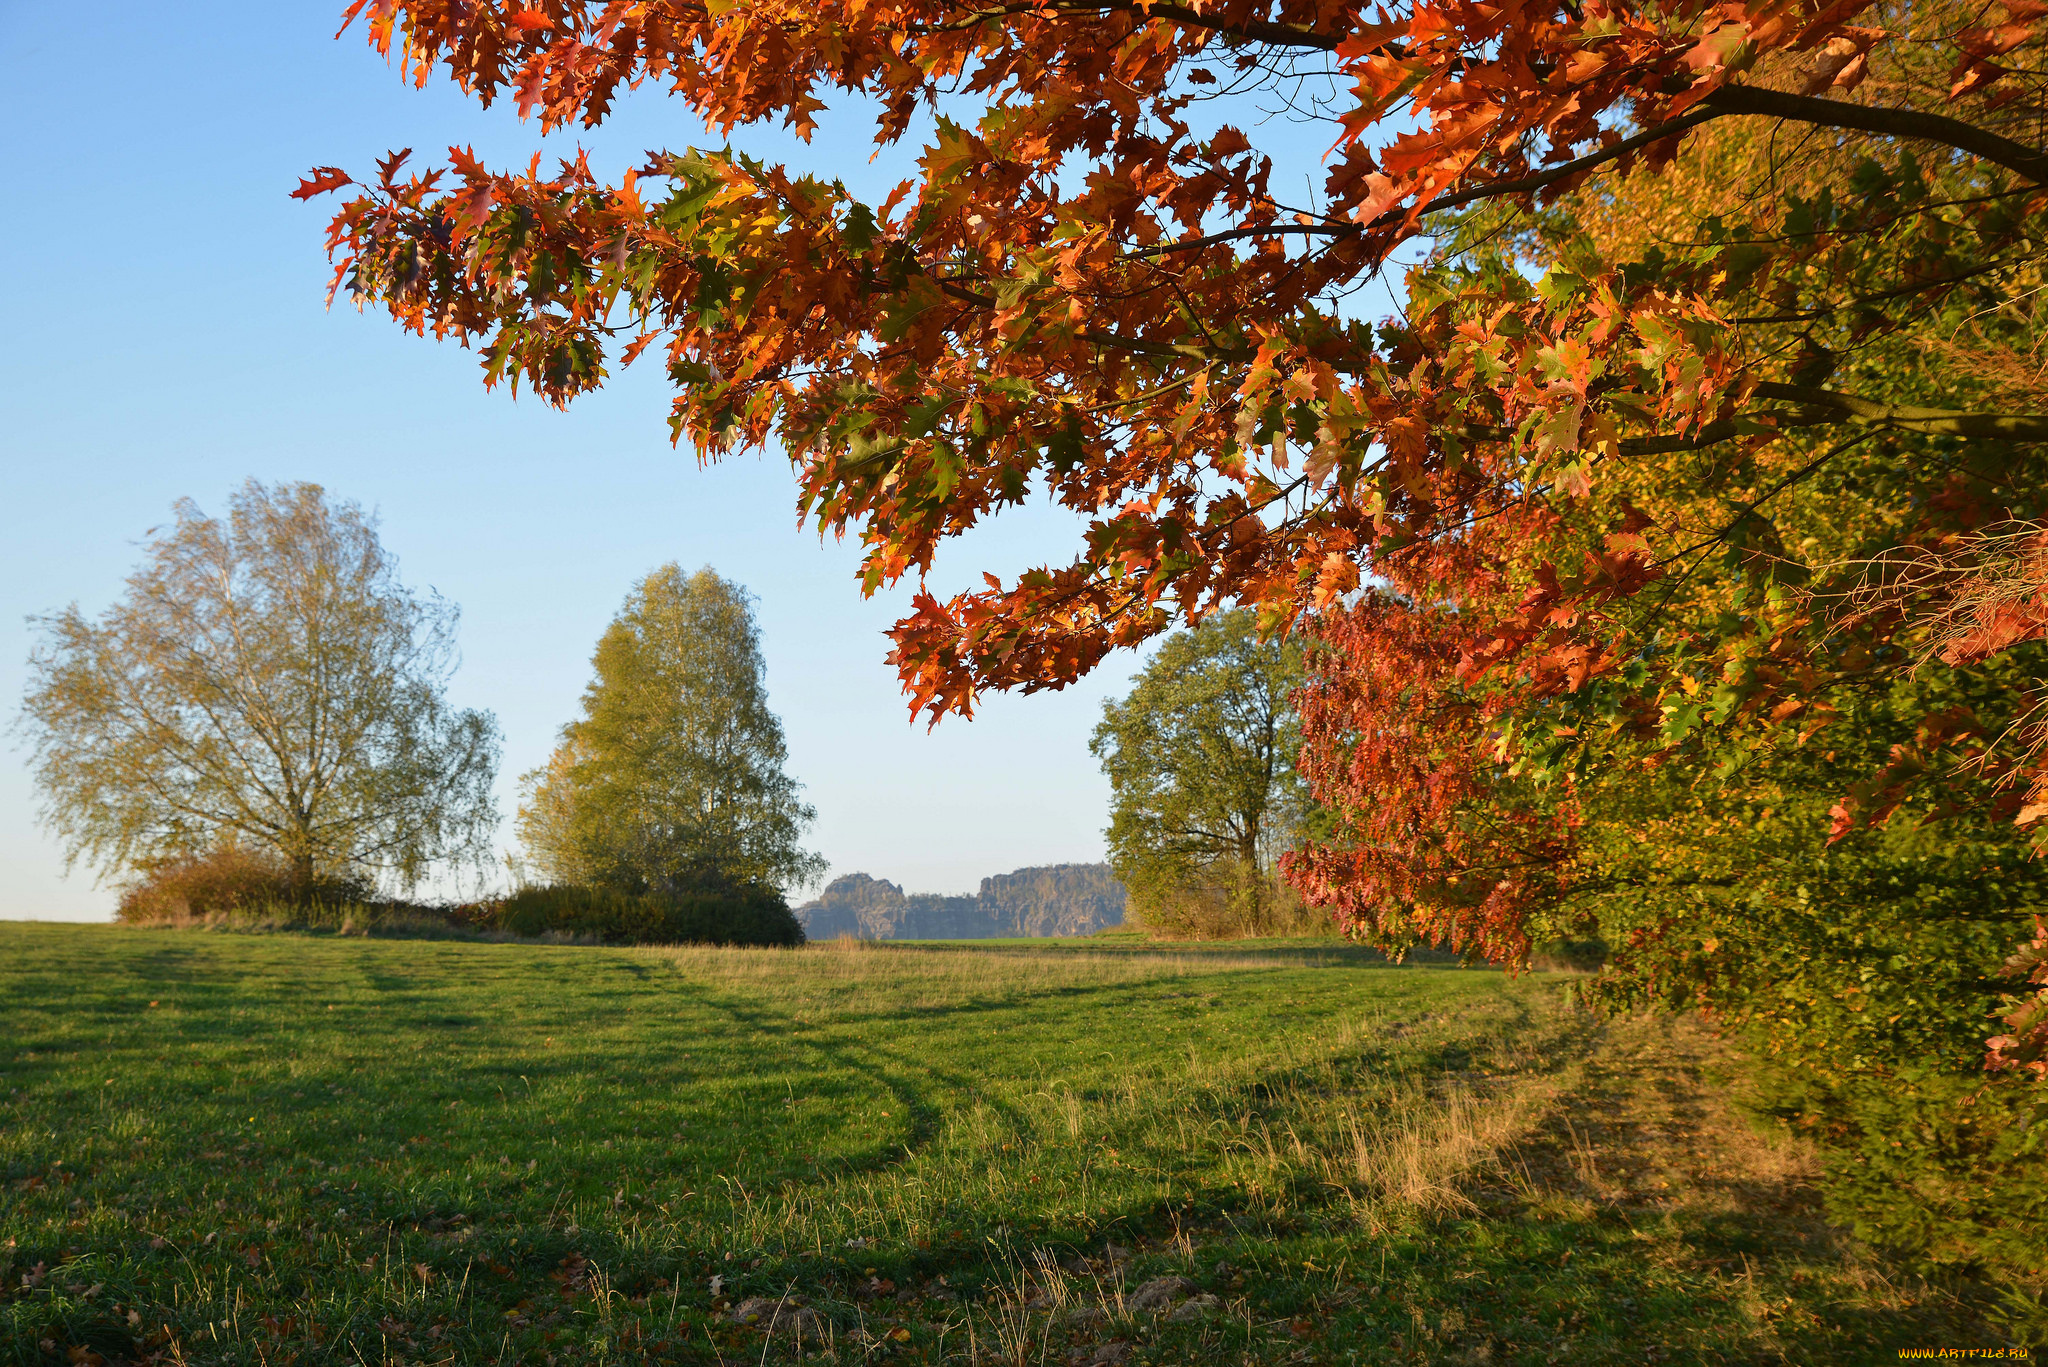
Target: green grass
279, 1149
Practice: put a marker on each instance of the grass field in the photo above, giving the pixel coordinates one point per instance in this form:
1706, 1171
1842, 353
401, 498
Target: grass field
292, 1149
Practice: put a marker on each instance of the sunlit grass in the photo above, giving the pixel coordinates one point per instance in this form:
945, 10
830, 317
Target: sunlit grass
262, 1149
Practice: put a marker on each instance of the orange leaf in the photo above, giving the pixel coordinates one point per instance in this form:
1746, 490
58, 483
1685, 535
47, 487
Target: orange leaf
323, 179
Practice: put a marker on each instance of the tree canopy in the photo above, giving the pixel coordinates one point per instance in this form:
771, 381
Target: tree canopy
266, 681
1203, 792
672, 781
1162, 341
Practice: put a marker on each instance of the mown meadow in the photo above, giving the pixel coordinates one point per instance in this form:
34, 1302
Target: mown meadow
269, 1149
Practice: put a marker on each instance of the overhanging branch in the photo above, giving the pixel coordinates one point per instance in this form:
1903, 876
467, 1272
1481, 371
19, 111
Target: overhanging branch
1496, 189
1892, 123
1726, 101
1939, 422
1823, 408
1254, 30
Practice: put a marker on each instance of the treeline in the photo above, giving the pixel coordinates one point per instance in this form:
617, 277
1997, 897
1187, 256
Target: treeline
235, 888
257, 733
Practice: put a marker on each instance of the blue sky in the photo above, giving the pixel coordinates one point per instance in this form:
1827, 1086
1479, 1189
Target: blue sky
165, 335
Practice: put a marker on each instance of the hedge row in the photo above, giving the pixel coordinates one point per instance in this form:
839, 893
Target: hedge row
742, 916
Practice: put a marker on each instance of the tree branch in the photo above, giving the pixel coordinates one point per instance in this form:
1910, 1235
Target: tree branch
1728, 100
1713, 434
1880, 296
1940, 422
1494, 189
1826, 407
1191, 350
1893, 123
1256, 30
1259, 30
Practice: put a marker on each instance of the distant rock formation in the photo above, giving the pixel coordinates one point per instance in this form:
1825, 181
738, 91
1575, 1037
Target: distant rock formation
855, 904
1060, 899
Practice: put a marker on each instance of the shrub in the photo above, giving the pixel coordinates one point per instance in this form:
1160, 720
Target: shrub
229, 881
1569, 956
1219, 901
749, 915
1927, 1163
1862, 977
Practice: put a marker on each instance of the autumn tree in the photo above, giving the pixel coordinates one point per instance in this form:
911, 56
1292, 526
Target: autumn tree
266, 682
1164, 345
1203, 793
1536, 517
1784, 785
672, 780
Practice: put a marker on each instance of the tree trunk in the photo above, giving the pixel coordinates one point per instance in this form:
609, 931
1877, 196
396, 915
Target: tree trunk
302, 876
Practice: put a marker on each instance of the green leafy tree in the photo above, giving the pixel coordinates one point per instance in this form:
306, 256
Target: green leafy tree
1200, 759
1781, 782
672, 780
1862, 974
265, 683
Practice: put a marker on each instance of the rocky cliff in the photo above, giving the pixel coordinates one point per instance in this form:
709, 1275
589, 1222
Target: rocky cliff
1061, 899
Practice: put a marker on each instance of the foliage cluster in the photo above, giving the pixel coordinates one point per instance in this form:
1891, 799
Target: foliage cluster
1204, 798
1173, 349
1861, 974
1810, 832
746, 915
1220, 902
672, 781
265, 683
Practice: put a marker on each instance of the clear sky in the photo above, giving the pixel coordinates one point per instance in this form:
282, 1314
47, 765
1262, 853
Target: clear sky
164, 335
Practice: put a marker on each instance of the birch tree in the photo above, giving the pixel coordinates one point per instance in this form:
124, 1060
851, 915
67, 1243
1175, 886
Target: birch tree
266, 680
673, 779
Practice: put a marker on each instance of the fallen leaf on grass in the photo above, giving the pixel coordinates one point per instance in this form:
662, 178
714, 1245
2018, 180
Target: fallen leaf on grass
1158, 1295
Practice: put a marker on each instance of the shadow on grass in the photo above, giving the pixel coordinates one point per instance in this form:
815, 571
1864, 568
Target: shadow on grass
1293, 953
1647, 1213
363, 1171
